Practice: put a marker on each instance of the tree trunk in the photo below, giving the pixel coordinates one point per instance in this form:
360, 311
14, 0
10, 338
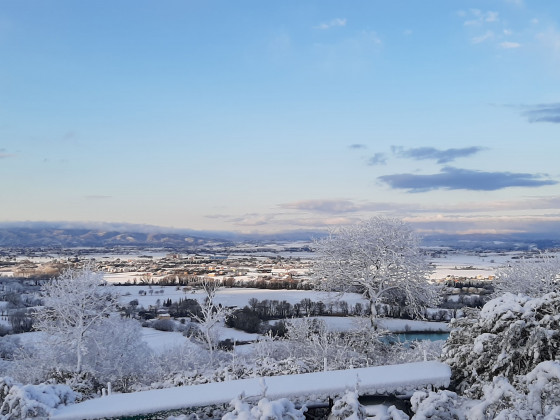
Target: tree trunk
373, 315
79, 355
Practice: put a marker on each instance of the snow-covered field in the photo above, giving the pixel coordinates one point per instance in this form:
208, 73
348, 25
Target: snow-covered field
160, 341
393, 325
238, 297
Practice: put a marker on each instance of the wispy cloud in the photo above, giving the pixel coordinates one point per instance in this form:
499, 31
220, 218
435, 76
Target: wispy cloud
5, 155
457, 224
550, 40
464, 179
333, 23
253, 219
509, 45
544, 113
322, 206
377, 159
517, 3
358, 146
333, 206
477, 17
481, 38
323, 222
440, 156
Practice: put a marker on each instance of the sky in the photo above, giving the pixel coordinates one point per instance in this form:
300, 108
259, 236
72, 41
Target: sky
267, 116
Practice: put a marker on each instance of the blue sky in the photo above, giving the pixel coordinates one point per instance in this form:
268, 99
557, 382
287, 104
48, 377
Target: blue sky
257, 116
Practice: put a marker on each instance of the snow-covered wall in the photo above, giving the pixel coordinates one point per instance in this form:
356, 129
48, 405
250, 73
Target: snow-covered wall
305, 387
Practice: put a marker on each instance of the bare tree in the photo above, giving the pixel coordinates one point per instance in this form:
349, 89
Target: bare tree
530, 276
380, 258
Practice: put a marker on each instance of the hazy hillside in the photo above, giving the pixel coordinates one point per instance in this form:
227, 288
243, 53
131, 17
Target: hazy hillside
46, 234
73, 237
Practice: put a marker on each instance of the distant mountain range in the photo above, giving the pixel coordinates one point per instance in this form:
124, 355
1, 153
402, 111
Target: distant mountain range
62, 234
45, 234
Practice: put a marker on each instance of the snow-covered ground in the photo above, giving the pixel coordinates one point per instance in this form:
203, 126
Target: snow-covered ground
160, 341
472, 264
393, 325
373, 380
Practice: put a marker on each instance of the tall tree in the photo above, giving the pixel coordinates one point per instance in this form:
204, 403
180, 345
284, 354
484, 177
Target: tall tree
211, 315
74, 304
380, 258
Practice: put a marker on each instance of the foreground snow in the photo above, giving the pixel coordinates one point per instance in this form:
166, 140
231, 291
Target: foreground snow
373, 380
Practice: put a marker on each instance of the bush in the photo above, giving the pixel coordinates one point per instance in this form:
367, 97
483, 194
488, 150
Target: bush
164, 325
281, 409
441, 405
32, 401
348, 407
511, 336
244, 319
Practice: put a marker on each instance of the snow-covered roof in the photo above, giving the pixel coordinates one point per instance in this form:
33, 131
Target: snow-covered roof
309, 386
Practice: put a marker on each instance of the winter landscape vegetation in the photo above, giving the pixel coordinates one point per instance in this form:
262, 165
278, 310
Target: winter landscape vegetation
363, 323
246, 210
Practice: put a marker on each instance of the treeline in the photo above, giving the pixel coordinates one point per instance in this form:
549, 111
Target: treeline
195, 281
253, 317
180, 309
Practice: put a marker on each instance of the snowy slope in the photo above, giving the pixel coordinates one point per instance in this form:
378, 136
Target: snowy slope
310, 386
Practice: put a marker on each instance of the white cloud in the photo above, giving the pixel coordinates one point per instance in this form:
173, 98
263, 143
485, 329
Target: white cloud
491, 17
478, 39
510, 45
508, 32
479, 17
518, 3
550, 39
535, 21
331, 24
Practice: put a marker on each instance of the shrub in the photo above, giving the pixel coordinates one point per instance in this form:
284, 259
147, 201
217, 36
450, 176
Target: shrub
511, 336
164, 325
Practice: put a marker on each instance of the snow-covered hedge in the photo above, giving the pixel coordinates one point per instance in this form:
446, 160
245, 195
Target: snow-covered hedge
282, 409
31, 401
511, 336
535, 395
348, 407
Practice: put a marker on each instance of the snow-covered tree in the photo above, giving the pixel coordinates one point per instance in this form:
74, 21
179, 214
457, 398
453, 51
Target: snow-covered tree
529, 276
380, 258
116, 352
532, 396
512, 335
211, 316
74, 304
